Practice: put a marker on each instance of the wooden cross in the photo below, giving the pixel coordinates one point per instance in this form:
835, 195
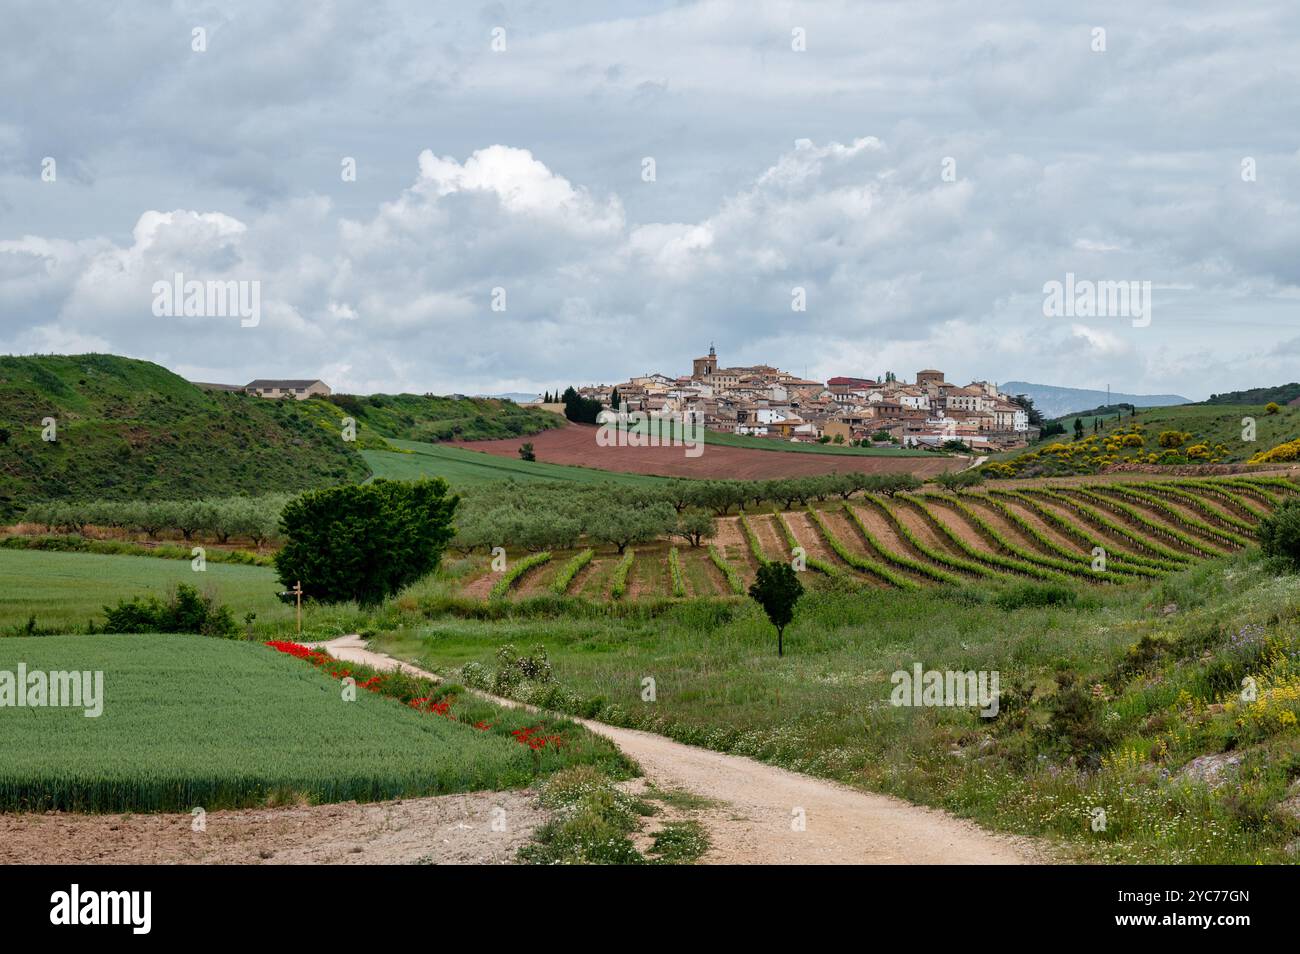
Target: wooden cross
297, 592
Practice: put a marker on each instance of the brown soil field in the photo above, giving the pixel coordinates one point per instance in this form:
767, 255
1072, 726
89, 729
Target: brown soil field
956, 521
576, 446
444, 829
1013, 530
770, 537
810, 539
730, 541
1208, 542
1115, 543
1136, 527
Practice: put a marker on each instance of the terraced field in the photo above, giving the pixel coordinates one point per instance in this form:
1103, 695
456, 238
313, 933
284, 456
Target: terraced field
1067, 532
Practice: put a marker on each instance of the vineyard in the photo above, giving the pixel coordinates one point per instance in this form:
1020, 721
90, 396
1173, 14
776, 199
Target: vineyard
706, 538
1099, 534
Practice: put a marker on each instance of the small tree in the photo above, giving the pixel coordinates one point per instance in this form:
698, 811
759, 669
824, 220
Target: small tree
955, 481
1078, 428
777, 589
621, 525
526, 451
694, 527
1272, 407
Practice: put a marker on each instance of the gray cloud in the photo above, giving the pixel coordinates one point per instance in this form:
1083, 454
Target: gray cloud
775, 169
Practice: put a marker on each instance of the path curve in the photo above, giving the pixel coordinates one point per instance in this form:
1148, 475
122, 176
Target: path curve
757, 804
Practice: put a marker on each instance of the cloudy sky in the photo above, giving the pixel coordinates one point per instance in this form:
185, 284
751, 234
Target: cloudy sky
920, 169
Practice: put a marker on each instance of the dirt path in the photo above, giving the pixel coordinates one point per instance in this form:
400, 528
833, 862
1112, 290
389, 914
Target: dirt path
755, 820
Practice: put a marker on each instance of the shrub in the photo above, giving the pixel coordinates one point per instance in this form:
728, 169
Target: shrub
1288, 451
1272, 407
1036, 594
364, 542
1073, 720
184, 611
675, 572
1279, 532
592, 819
513, 670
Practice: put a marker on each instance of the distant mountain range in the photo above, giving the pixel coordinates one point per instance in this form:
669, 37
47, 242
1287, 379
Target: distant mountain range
1055, 402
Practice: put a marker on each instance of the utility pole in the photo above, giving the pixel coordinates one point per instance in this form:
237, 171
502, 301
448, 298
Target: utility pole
297, 592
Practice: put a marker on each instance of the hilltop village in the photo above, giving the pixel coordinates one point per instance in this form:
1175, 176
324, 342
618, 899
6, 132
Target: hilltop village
763, 401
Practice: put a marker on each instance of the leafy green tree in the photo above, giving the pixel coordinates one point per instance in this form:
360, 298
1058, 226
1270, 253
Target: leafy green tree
364, 542
622, 525
526, 451
955, 481
1279, 532
1078, 428
777, 589
694, 528
579, 409
721, 495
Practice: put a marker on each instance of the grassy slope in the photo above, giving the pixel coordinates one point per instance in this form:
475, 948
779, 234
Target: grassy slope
461, 466
429, 418
129, 428
191, 721
68, 589
825, 708
1212, 424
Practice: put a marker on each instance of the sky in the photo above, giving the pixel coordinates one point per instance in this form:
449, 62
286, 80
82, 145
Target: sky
555, 193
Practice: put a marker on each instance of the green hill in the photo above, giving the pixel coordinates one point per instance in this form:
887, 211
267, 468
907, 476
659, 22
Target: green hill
1207, 433
1282, 394
128, 428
